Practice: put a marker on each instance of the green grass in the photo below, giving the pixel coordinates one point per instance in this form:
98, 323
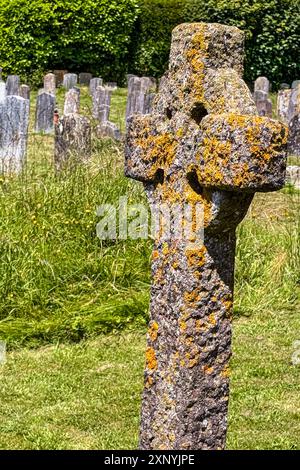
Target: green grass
87, 396
60, 284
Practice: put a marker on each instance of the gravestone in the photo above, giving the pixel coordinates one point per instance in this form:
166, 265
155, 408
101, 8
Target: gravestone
44, 115
283, 99
263, 103
293, 175
12, 85
294, 103
138, 101
295, 83
112, 85
50, 83
24, 92
284, 86
70, 80
109, 129
72, 141
203, 145
294, 136
3, 93
59, 76
128, 77
101, 104
262, 84
14, 120
85, 78
94, 83
72, 102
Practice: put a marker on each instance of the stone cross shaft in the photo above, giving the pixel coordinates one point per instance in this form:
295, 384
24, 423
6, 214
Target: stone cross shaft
203, 144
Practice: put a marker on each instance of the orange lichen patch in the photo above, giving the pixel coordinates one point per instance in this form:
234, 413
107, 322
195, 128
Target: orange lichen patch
151, 361
165, 249
153, 331
159, 149
225, 372
193, 199
196, 256
175, 265
195, 56
155, 254
242, 175
158, 277
212, 319
192, 298
208, 370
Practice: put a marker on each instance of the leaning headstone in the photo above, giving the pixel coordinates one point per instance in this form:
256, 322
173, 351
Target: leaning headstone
44, 114
24, 92
294, 136
209, 155
262, 84
138, 90
72, 102
50, 83
294, 103
72, 141
13, 85
94, 83
59, 76
283, 99
101, 104
14, 120
293, 175
85, 78
70, 80
109, 129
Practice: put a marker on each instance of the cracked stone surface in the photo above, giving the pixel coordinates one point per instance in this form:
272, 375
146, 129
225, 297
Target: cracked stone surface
203, 144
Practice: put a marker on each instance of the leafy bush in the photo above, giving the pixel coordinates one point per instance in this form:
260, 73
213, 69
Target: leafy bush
75, 34
272, 30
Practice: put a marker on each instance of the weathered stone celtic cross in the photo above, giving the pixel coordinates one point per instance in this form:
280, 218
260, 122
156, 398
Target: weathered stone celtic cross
203, 143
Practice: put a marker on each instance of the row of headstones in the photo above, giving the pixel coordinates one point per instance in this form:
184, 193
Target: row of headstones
288, 108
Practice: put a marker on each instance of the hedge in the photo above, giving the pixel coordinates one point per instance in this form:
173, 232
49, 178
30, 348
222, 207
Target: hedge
113, 37
80, 35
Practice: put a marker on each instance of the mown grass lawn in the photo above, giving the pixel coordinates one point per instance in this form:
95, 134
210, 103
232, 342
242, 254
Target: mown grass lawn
87, 395
82, 304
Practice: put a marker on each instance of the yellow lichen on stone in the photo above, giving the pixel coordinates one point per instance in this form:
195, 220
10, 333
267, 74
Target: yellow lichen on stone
196, 256
153, 331
225, 372
151, 361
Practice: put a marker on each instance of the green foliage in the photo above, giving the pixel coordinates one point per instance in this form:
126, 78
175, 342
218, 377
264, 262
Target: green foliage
78, 35
113, 37
151, 43
272, 30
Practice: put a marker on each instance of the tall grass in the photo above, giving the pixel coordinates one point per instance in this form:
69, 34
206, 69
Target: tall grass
58, 281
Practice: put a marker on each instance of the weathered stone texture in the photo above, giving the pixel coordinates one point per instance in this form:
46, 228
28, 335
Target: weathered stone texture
24, 92
101, 104
94, 83
14, 120
44, 114
72, 141
70, 80
294, 136
85, 78
13, 85
50, 83
203, 144
283, 99
72, 102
